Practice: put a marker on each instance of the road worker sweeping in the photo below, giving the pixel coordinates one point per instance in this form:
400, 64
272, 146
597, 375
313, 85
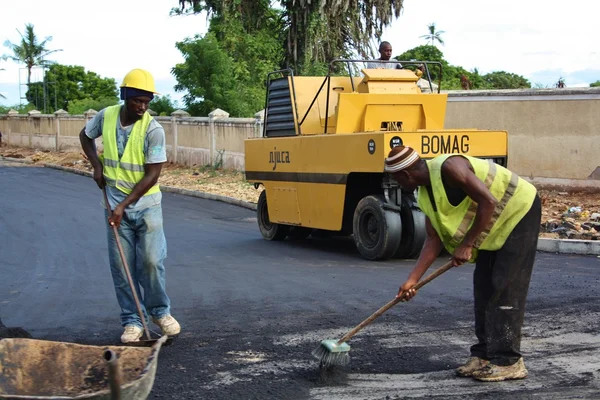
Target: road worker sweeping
480, 212
134, 152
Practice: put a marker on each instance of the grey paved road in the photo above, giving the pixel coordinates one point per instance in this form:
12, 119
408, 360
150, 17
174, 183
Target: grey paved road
252, 310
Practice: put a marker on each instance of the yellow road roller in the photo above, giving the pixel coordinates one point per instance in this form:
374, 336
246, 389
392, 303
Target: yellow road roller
321, 155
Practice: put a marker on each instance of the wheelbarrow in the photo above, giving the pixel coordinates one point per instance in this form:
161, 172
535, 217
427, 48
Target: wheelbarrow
39, 369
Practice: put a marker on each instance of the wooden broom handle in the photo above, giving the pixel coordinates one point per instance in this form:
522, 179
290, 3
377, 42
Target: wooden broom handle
396, 300
126, 268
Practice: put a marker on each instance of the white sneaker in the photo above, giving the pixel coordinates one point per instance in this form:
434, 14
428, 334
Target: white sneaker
132, 333
168, 325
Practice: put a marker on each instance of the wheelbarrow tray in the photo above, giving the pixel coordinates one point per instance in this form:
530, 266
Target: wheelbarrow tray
39, 369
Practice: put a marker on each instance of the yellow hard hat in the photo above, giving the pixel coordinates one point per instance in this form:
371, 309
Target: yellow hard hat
139, 79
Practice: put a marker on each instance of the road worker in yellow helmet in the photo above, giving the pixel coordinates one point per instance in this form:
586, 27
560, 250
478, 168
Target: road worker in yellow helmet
139, 79
134, 153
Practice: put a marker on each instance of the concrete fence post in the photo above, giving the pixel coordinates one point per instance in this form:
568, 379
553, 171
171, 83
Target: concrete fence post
31, 114
57, 116
175, 147
11, 113
175, 115
89, 114
212, 116
259, 120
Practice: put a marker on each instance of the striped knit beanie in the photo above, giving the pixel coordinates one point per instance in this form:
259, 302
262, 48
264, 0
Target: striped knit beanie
401, 157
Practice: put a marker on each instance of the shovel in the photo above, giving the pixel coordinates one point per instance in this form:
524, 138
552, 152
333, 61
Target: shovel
149, 341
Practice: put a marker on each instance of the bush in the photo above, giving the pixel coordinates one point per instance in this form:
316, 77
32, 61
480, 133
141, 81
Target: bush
80, 106
21, 108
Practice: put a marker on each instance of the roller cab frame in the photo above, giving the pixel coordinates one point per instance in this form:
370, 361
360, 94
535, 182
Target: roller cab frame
321, 155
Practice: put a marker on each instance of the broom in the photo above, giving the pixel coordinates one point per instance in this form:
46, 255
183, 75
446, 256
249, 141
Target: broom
335, 352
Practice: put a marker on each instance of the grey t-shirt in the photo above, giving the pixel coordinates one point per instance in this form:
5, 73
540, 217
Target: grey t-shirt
384, 65
155, 152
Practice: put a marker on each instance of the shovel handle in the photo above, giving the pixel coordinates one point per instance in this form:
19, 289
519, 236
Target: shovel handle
395, 301
126, 267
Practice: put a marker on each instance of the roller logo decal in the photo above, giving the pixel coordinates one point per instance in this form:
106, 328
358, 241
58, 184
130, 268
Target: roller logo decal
450, 144
278, 157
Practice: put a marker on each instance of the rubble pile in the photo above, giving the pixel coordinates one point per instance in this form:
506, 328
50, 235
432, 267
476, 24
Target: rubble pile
575, 222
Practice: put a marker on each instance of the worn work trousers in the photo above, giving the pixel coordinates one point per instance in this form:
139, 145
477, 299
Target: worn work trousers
501, 282
145, 249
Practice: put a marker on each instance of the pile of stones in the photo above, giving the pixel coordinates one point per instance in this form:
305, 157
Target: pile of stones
575, 224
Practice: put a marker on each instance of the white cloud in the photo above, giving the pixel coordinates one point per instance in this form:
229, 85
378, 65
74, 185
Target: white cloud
519, 36
109, 38
112, 37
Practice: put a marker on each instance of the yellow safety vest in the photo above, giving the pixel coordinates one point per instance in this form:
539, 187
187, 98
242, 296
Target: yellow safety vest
126, 172
514, 198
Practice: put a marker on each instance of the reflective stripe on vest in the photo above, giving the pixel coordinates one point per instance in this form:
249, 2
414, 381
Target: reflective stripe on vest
514, 197
500, 206
470, 215
125, 173
127, 166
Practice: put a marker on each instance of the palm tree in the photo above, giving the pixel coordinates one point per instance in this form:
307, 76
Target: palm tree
30, 51
315, 30
433, 35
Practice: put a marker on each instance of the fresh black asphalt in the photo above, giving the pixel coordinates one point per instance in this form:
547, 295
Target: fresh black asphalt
252, 311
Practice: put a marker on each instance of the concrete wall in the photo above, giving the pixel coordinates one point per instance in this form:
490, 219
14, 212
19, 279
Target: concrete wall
216, 140
552, 132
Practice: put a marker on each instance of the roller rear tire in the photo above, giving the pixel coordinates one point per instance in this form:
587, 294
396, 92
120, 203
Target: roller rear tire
269, 230
377, 231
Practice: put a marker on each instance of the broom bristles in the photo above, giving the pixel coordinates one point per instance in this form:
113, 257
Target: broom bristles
328, 358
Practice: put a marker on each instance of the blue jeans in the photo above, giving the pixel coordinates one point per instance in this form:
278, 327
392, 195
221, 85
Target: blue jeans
145, 249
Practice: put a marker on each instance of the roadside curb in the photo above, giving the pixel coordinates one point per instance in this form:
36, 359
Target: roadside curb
210, 196
165, 188
582, 247
19, 160
171, 189
561, 246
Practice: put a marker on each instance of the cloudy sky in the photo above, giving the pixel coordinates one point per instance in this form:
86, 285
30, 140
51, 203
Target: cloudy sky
542, 40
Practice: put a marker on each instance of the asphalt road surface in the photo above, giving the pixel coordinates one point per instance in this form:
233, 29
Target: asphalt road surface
252, 311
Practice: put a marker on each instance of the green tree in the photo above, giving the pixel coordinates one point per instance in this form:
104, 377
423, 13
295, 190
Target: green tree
64, 84
453, 76
20, 108
212, 80
312, 31
77, 107
30, 51
423, 53
595, 84
433, 35
227, 67
505, 80
431, 53
163, 105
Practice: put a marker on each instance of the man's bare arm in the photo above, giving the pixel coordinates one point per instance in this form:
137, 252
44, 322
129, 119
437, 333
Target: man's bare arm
89, 148
429, 253
458, 172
